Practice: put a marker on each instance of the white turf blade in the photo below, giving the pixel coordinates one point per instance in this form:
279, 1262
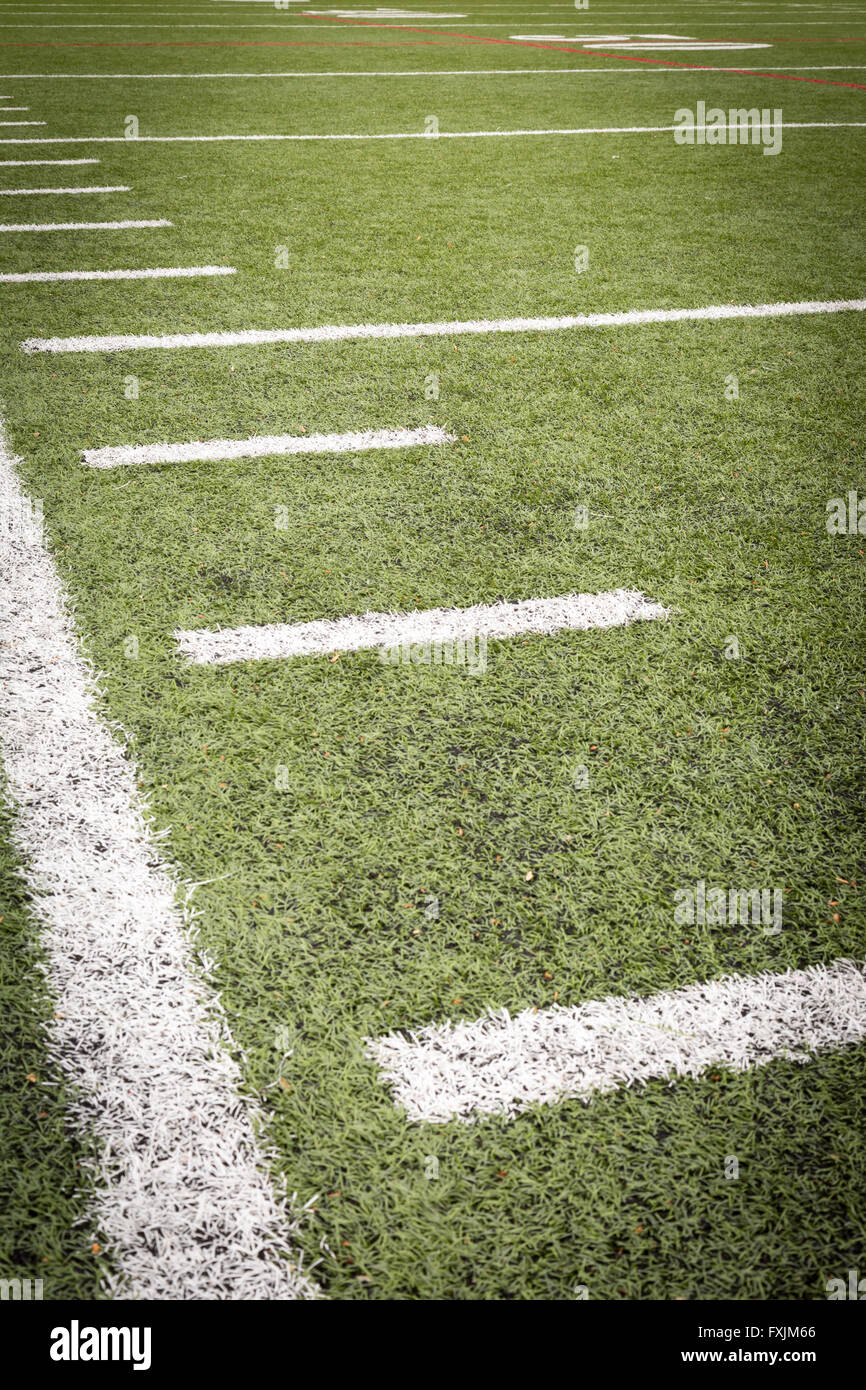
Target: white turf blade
502, 1065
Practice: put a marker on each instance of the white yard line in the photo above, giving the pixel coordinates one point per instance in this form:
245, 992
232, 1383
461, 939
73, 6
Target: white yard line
80, 226
397, 135
502, 1065
544, 616
182, 1196
263, 446
29, 192
256, 337
23, 122
29, 277
419, 73
28, 163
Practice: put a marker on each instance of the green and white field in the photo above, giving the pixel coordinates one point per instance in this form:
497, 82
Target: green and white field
380, 847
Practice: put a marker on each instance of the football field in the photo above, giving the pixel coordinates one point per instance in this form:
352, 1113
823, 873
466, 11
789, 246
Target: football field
432, 634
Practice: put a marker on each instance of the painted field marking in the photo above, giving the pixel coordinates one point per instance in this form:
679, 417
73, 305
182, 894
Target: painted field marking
541, 616
422, 74
23, 122
30, 192
27, 163
14, 108
264, 446
501, 1065
181, 1193
547, 47
29, 277
79, 226
255, 337
395, 134
670, 44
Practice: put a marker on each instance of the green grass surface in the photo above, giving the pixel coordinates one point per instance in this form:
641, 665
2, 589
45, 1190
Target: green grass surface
407, 782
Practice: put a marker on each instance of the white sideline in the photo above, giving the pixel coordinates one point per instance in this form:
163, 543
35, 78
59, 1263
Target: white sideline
568, 612
182, 1201
502, 1065
395, 135
256, 337
27, 277
263, 446
27, 192
79, 226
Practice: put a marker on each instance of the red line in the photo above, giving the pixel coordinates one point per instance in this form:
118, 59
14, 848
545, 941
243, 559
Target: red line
595, 52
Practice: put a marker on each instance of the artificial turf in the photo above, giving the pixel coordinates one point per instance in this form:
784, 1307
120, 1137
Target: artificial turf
408, 783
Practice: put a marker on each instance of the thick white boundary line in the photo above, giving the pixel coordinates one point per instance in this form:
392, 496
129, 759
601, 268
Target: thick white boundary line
29, 192
28, 163
183, 1199
30, 277
395, 135
79, 226
264, 446
257, 337
502, 1065
543, 616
